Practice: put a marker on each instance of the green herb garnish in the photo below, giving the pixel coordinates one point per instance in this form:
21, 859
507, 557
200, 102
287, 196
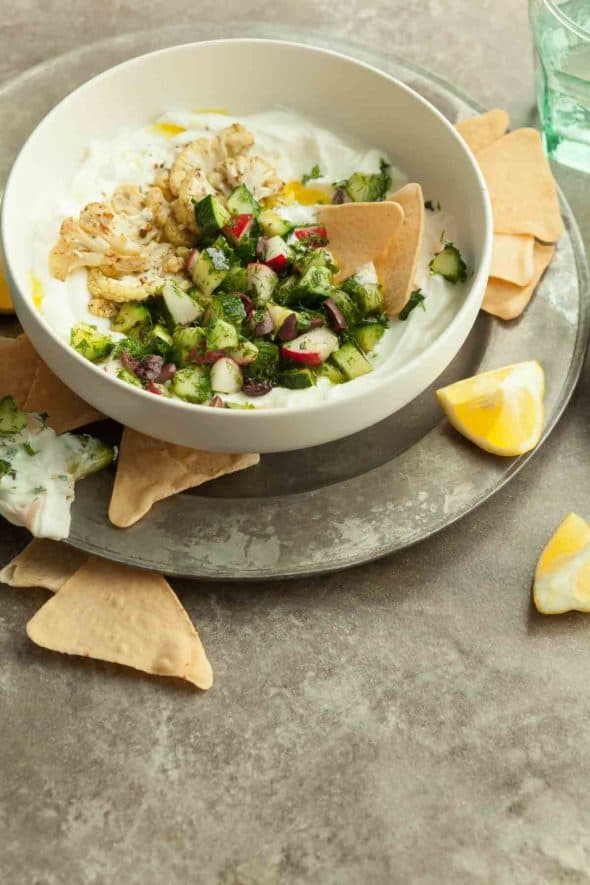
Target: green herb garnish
38, 490
6, 469
432, 207
309, 176
416, 298
30, 450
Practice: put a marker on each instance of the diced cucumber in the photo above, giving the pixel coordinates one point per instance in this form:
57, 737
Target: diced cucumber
245, 353
321, 257
266, 363
367, 296
179, 306
262, 280
129, 316
283, 294
90, 343
241, 202
12, 419
369, 188
186, 343
210, 270
88, 455
229, 307
236, 280
314, 285
347, 306
211, 216
296, 379
449, 264
368, 335
330, 371
192, 384
160, 340
273, 225
220, 335
351, 361
129, 377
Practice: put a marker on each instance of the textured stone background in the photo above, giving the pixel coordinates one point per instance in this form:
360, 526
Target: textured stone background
410, 721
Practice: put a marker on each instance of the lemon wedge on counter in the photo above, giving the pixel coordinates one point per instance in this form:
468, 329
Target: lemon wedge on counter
500, 411
562, 576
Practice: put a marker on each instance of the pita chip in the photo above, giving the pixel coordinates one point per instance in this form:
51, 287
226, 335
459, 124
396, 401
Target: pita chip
484, 129
521, 186
43, 563
396, 269
360, 232
149, 470
35, 388
513, 258
507, 301
119, 614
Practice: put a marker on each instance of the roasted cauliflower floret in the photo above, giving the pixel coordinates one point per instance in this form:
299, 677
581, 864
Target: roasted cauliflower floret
194, 188
205, 153
256, 173
100, 307
165, 263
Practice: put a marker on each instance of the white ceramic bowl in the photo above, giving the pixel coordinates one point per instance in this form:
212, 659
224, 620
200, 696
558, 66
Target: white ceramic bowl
247, 76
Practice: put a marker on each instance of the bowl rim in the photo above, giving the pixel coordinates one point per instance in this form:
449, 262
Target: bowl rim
325, 405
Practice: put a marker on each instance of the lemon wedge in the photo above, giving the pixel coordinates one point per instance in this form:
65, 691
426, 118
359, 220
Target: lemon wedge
562, 576
500, 411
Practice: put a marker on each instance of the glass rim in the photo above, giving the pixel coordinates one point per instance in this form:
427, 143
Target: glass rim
566, 20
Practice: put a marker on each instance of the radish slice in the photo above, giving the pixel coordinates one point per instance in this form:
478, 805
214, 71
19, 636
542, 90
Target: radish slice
312, 348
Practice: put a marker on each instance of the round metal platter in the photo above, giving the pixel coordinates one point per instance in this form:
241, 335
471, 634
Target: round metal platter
352, 501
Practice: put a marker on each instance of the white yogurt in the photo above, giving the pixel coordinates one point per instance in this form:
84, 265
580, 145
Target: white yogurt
294, 145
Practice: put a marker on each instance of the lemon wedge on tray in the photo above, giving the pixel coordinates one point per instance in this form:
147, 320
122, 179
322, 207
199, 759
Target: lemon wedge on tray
500, 411
562, 576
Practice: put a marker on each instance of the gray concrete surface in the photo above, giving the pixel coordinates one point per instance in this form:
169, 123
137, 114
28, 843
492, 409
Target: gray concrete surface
410, 721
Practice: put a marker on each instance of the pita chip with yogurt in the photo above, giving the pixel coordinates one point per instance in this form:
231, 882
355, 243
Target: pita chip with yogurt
149, 470
359, 233
125, 616
24, 376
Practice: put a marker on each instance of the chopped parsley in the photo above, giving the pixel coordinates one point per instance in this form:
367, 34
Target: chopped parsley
315, 172
38, 490
432, 207
416, 298
30, 450
6, 469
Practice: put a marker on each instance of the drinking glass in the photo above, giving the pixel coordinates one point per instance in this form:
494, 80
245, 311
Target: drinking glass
561, 38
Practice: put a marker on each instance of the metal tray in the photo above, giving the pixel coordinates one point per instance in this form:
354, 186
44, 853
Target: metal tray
348, 502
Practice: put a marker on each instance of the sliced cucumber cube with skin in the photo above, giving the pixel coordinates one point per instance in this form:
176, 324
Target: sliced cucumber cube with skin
284, 293
210, 215
331, 372
129, 377
273, 224
296, 379
266, 363
316, 258
351, 361
449, 264
314, 285
12, 419
181, 307
346, 305
368, 335
262, 282
368, 297
244, 354
91, 343
210, 270
161, 340
192, 384
369, 188
229, 307
241, 202
187, 343
236, 280
221, 335
226, 376
130, 316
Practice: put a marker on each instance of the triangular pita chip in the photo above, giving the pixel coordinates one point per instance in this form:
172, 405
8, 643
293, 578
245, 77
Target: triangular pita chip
360, 232
513, 258
522, 189
149, 470
507, 301
43, 563
396, 269
119, 614
484, 129
25, 376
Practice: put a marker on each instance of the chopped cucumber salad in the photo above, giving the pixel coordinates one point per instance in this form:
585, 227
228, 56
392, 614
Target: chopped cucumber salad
260, 308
